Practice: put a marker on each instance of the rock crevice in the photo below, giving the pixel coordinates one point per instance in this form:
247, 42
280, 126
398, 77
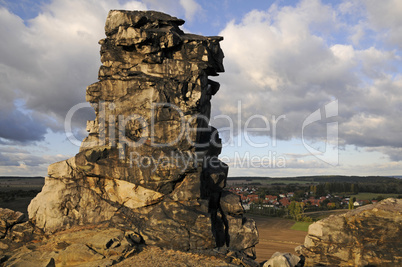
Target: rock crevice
150, 161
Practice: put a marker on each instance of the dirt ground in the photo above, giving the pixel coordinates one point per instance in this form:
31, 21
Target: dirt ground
158, 257
276, 235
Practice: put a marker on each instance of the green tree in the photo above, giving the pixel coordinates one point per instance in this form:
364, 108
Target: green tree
320, 190
261, 192
324, 204
351, 206
296, 210
313, 188
327, 187
356, 189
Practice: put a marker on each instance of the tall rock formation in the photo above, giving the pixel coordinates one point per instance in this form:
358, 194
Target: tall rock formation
149, 163
367, 236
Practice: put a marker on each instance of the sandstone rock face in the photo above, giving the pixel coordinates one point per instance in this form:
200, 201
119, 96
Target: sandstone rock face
14, 233
100, 245
8, 218
370, 235
150, 162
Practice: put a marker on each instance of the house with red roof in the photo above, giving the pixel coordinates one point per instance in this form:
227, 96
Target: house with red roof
285, 201
253, 198
271, 198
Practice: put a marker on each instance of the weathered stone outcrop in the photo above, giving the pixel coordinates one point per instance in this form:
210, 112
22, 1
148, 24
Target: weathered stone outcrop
100, 245
370, 235
150, 162
8, 218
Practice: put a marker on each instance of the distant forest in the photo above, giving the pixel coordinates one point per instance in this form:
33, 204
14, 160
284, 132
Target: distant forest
327, 183
21, 177
333, 184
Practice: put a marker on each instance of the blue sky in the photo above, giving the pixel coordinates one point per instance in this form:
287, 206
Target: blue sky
321, 80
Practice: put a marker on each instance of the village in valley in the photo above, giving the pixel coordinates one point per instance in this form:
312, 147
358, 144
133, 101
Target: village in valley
249, 196
296, 198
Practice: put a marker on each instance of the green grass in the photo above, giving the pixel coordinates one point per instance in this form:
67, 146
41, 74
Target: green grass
370, 196
301, 226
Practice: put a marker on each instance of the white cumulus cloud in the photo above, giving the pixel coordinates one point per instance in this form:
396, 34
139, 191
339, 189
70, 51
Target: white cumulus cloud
286, 61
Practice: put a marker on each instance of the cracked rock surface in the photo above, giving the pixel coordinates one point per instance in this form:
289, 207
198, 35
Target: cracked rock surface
149, 167
367, 236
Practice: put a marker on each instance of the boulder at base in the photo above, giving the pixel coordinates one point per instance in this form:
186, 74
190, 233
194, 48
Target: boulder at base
282, 260
370, 235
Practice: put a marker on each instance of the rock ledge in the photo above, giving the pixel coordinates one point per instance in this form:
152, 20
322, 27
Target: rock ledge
370, 235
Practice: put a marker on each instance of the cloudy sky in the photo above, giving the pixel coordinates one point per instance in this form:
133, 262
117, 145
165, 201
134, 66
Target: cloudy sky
311, 87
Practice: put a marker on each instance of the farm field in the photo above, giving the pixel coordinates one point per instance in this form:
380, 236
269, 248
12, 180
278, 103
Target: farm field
21, 183
283, 235
17, 192
276, 235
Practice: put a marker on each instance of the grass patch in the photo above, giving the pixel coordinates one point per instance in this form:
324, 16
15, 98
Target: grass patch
301, 226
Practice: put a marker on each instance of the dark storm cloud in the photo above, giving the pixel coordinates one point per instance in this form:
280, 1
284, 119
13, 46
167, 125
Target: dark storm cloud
46, 65
16, 126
